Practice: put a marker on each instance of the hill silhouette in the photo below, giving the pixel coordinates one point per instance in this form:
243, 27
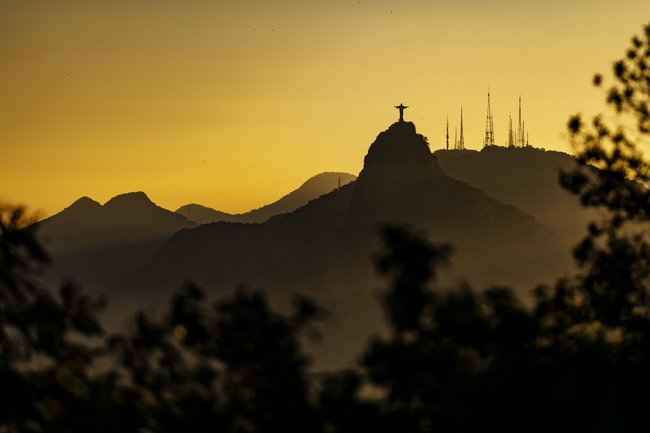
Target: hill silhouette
96, 244
525, 177
313, 188
202, 214
402, 182
325, 248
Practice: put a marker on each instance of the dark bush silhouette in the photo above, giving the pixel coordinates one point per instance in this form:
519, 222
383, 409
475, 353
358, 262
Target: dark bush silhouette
463, 360
234, 366
44, 362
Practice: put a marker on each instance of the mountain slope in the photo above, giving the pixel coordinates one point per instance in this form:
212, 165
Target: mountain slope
202, 214
97, 244
525, 177
313, 188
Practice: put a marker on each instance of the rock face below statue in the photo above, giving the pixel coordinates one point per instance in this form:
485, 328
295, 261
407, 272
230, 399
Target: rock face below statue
402, 183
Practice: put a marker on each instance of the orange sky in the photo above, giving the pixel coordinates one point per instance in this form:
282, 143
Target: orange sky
231, 104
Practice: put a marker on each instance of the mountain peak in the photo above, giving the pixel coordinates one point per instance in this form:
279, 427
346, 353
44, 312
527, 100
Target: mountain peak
137, 198
84, 203
326, 178
400, 149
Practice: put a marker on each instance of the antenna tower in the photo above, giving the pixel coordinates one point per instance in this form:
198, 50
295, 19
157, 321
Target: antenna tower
461, 142
520, 128
447, 135
489, 126
511, 136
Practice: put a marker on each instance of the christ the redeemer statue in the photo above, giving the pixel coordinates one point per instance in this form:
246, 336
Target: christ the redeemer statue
401, 108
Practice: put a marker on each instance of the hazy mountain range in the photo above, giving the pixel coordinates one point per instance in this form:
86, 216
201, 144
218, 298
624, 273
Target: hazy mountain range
311, 189
96, 245
99, 245
501, 208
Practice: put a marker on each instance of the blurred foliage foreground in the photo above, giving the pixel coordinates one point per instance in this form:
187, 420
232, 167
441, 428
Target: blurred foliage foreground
453, 360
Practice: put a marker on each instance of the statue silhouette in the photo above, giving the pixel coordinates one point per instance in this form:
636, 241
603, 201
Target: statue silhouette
401, 108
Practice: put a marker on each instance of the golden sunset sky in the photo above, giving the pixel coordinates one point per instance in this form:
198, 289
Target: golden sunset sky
232, 104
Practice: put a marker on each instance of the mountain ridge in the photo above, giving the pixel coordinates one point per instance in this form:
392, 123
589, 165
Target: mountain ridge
95, 244
311, 189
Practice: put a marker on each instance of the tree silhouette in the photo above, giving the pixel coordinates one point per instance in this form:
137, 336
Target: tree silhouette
614, 255
236, 366
466, 360
44, 337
